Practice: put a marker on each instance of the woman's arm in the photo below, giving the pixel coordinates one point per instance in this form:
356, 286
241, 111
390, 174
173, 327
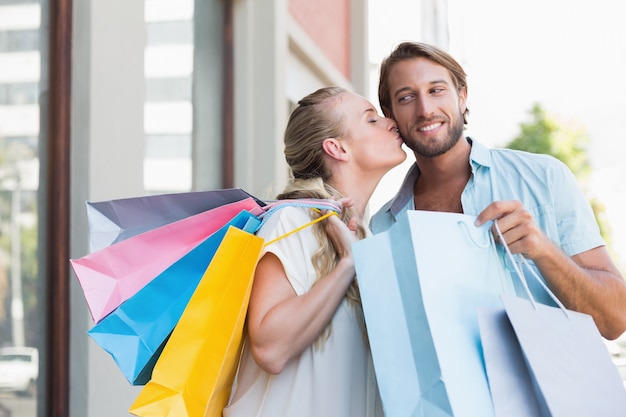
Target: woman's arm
281, 324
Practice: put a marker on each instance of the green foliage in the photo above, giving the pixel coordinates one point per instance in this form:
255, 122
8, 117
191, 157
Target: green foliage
544, 134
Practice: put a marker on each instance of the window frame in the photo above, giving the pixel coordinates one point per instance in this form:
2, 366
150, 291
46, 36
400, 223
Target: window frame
55, 176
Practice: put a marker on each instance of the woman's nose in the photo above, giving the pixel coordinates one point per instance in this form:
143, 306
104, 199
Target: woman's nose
392, 124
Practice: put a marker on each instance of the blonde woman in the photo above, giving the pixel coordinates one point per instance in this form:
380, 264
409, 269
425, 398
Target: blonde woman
306, 352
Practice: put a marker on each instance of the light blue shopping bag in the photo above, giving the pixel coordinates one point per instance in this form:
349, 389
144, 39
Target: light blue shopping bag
421, 282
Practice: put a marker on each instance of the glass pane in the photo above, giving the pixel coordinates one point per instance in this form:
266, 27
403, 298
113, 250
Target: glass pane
20, 68
168, 120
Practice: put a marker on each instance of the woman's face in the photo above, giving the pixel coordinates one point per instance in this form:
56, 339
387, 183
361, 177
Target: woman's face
373, 140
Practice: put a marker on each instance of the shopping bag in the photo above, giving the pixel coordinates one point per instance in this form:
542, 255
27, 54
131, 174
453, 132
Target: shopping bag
115, 220
568, 369
112, 275
570, 365
135, 333
196, 369
199, 360
510, 383
421, 282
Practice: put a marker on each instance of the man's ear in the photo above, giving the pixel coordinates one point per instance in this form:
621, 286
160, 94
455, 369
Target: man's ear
387, 112
335, 149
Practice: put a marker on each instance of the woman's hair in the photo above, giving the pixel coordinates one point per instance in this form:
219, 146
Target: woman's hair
315, 119
410, 50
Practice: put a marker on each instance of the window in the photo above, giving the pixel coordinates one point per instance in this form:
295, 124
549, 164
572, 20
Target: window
168, 120
20, 128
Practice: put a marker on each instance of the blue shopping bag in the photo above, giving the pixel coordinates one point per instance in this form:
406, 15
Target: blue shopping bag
135, 333
421, 282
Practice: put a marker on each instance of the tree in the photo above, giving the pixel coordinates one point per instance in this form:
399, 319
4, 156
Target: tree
10, 155
544, 134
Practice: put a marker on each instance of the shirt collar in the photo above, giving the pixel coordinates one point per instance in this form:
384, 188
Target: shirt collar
479, 156
405, 193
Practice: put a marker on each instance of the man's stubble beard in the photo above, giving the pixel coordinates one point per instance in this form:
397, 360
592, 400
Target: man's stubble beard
432, 150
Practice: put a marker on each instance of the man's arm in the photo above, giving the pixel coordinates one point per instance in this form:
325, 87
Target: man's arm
588, 282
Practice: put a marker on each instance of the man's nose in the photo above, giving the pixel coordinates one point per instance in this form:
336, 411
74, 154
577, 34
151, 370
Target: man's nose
424, 106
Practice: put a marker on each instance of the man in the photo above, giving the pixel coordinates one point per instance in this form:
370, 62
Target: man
540, 210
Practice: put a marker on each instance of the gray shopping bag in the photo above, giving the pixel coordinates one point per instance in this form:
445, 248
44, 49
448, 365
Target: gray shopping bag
568, 362
510, 382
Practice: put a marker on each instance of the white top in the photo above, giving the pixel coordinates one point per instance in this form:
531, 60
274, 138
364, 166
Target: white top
336, 380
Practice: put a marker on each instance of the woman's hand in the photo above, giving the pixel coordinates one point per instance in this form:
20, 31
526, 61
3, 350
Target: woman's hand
342, 235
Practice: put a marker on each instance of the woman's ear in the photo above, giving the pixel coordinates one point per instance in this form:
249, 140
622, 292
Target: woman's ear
335, 149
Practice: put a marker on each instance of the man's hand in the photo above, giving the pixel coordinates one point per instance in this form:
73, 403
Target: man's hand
521, 233
588, 282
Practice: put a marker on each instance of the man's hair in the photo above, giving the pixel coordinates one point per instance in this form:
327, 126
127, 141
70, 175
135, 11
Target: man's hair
411, 50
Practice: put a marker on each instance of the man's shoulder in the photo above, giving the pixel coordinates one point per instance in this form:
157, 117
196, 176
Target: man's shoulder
520, 154
518, 159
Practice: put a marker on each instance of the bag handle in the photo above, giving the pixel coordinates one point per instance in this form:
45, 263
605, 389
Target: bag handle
490, 242
521, 276
319, 219
516, 265
313, 203
331, 206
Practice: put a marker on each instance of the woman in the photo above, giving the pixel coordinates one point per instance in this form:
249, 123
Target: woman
306, 352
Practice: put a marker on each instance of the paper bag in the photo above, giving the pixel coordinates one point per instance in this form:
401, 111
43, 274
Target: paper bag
510, 383
421, 282
116, 220
112, 275
547, 361
196, 369
569, 364
135, 333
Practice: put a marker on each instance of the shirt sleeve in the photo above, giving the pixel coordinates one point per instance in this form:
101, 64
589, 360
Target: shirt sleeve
295, 250
576, 223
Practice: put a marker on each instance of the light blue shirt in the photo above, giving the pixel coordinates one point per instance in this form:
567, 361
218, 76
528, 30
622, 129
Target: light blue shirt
544, 185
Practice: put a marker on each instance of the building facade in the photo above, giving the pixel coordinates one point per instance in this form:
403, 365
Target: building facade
189, 95
106, 99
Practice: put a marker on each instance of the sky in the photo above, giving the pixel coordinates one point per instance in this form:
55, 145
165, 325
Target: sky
567, 55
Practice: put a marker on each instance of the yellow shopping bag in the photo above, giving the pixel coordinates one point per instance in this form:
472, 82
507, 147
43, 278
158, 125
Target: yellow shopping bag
198, 364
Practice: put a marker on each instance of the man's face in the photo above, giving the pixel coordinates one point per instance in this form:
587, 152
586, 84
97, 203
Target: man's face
426, 106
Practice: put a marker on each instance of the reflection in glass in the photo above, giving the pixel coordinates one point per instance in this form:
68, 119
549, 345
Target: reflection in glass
168, 120
20, 73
